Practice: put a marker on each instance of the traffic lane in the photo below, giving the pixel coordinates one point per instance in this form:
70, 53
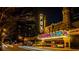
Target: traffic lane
22, 48
48, 48
59, 49
32, 48
13, 48
7, 47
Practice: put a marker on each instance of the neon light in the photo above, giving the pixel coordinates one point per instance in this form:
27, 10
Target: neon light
41, 23
58, 33
45, 35
54, 34
52, 37
65, 33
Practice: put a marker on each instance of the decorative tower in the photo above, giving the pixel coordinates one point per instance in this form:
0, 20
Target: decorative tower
66, 17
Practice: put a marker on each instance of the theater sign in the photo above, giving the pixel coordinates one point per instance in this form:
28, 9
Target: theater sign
41, 23
54, 34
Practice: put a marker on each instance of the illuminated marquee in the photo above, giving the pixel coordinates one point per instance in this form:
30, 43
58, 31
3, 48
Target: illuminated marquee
54, 34
45, 35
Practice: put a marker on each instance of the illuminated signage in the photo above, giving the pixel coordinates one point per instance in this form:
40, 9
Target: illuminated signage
45, 35
65, 33
52, 34
41, 23
58, 33
55, 34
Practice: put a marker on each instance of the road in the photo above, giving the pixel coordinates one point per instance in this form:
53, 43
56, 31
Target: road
20, 48
30, 48
11, 48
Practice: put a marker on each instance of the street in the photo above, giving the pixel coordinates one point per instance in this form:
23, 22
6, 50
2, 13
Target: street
20, 48
11, 48
8, 47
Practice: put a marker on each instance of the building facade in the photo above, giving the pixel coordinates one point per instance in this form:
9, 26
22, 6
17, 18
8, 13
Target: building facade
62, 25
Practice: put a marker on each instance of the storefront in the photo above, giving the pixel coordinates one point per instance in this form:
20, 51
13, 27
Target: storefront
58, 39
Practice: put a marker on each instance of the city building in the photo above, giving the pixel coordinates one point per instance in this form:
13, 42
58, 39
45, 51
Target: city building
57, 32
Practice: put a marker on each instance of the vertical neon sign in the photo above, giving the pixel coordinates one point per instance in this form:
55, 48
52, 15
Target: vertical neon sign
41, 23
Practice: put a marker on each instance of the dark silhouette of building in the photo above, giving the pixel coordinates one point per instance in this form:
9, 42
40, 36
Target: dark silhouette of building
26, 28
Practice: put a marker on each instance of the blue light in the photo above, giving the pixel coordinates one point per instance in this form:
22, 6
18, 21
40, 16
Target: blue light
58, 33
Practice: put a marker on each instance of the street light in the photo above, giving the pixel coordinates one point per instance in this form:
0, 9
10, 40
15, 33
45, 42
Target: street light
25, 39
4, 30
20, 37
3, 34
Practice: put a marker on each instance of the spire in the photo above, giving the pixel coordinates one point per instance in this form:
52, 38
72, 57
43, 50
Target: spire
66, 16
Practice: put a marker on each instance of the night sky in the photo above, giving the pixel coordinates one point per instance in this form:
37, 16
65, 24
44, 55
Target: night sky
74, 14
53, 14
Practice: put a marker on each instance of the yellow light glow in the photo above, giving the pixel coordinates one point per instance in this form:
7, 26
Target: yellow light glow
20, 37
4, 30
3, 34
25, 39
52, 37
